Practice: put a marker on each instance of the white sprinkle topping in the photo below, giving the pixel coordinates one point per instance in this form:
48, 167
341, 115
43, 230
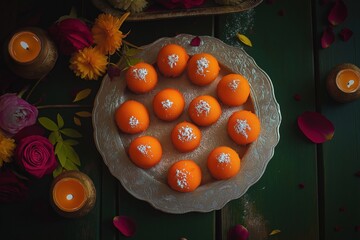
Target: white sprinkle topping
186, 134
167, 104
223, 158
202, 107
202, 64
172, 60
133, 122
144, 149
182, 178
234, 84
140, 73
241, 127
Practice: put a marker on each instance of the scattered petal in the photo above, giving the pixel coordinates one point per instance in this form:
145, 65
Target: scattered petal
195, 42
238, 232
273, 232
338, 13
301, 186
113, 71
357, 228
270, 1
82, 94
77, 121
327, 38
297, 97
345, 34
316, 127
125, 225
244, 39
357, 174
281, 12
83, 114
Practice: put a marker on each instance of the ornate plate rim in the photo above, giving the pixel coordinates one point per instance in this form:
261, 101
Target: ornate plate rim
261, 151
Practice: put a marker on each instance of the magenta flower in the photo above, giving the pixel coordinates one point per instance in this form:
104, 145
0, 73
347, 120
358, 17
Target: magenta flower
171, 4
12, 189
16, 113
36, 155
71, 35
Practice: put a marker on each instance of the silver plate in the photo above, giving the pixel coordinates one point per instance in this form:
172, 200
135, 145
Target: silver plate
151, 185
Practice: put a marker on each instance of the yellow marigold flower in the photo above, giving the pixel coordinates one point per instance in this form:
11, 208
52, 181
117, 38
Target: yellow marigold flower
106, 32
88, 63
7, 147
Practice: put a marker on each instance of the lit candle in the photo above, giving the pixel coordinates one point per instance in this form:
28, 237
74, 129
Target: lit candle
24, 46
73, 194
343, 82
30, 53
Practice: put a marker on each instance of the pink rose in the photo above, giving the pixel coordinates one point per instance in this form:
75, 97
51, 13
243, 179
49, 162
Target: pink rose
171, 4
71, 35
16, 113
36, 155
12, 189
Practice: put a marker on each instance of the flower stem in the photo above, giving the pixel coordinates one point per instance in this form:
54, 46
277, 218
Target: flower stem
33, 88
64, 106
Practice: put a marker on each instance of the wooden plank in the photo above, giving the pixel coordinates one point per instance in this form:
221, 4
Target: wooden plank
282, 46
340, 155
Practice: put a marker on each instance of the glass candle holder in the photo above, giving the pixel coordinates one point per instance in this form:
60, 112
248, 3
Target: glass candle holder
30, 53
343, 82
73, 194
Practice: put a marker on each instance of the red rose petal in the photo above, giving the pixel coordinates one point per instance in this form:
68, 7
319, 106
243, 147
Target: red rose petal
338, 13
345, 34
238, 232
327, 38
113, 71
324, 2
270, 1
125, 225
281, 12
195, 42
316, 127
297, 97
301, 186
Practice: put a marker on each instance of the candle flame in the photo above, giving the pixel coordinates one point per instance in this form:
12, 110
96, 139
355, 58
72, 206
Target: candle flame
350, 83
69, 197
24, 45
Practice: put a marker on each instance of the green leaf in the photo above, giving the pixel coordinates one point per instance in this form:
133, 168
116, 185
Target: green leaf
130, 52
71, 132
58, 147
82, 94
48, 124
61, 156
83, 114
55, 137
57, 171
133, 61
71, 154
60, 121
70, 166
71, 142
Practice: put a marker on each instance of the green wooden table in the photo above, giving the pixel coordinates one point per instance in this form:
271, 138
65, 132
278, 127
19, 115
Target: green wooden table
308, 191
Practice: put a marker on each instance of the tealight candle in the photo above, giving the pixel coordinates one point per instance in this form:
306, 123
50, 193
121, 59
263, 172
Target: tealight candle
30, 53
343, 82
73, 194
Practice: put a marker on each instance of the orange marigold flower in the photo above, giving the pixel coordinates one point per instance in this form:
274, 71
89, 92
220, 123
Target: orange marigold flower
88, 63
106, 32
7, 147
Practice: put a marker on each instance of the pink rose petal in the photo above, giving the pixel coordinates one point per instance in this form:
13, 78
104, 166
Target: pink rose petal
195, 42
346, 34
327, 38
238, 232
125, 225
338, 13
316, 127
